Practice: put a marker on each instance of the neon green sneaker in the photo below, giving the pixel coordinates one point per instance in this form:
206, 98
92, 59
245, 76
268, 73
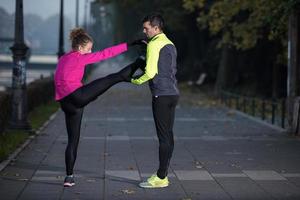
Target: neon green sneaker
155, 182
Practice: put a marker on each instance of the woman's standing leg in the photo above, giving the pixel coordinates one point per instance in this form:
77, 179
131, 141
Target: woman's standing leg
73, 123
73, 117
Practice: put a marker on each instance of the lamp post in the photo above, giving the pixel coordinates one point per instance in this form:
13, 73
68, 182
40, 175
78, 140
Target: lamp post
19, 49
293, 80
85, 14
77, 13
61, 30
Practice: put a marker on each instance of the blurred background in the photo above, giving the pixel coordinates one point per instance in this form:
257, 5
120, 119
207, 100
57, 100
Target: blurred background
238, 46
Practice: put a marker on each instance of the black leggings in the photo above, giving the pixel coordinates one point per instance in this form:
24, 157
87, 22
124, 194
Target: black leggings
73, 105
163, 108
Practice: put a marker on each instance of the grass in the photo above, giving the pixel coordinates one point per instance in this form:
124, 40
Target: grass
39, 115
12, 139
201, 96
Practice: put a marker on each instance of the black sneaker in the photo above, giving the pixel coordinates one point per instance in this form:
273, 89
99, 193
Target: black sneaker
141, 62
128, 71
69, 181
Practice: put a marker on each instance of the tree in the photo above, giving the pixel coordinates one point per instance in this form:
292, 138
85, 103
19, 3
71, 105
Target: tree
243, 24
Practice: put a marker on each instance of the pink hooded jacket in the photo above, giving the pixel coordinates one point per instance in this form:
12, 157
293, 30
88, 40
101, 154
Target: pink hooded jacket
70, 68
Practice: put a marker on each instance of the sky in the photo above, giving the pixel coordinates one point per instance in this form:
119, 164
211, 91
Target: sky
47, 8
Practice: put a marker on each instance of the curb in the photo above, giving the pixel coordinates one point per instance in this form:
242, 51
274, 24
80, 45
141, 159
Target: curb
13, 155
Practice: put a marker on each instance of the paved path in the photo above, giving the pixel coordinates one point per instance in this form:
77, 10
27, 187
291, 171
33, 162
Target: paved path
218, 155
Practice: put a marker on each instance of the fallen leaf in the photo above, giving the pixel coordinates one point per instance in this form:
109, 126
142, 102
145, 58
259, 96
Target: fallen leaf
199, 167
105, 154
91, 180
128, 191
230, 113
22, 179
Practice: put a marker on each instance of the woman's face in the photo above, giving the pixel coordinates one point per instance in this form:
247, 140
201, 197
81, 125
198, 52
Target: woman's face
86, 48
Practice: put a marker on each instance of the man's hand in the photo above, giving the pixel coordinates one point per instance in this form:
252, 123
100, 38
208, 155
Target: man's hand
137, 42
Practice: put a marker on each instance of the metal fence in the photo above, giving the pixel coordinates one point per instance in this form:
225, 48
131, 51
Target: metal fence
270, 110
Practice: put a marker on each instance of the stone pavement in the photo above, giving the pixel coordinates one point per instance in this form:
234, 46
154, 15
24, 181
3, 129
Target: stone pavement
218, 154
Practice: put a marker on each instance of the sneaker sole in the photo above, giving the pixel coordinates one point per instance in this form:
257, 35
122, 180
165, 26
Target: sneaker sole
153, 187
69, 184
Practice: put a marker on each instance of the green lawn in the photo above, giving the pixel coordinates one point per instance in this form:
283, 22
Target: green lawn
41, 114
12, 139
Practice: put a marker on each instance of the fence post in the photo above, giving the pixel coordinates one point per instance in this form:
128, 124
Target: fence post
263, 109
283, 106
274, 106
237, 105
253, 107
244, 104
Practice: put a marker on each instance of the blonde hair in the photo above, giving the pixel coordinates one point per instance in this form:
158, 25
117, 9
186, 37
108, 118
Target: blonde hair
79, 37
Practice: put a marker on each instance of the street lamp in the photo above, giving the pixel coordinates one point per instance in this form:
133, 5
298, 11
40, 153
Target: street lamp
77, 13
293, 71
87, 12
61, 30
19, 49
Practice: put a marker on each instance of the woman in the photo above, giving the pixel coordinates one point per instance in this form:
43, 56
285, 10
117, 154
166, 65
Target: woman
73, 95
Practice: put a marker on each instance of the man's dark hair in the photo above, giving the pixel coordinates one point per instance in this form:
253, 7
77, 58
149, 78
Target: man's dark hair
155, 19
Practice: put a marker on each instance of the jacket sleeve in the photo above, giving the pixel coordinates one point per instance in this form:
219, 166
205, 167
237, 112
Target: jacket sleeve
90, 58
151, 68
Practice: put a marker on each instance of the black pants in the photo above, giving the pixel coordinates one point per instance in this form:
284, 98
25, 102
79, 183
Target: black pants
163, 108
73, 105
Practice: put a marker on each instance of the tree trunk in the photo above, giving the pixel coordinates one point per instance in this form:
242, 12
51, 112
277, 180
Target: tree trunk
224, 78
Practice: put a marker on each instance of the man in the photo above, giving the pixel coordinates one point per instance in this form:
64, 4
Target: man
160, 71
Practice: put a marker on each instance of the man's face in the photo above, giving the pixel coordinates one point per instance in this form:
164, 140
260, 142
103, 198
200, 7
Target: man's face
149, 30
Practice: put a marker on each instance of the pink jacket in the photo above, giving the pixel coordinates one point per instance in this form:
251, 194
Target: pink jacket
70, 68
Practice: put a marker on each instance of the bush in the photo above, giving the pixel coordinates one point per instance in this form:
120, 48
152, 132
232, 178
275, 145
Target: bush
38, 92
5, 110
